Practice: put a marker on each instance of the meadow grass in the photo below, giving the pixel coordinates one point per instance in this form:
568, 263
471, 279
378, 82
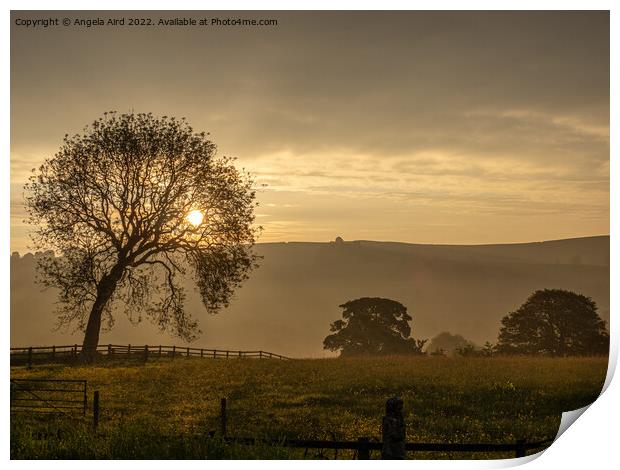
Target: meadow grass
448, 400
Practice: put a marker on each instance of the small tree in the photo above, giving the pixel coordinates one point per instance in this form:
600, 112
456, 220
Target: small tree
488, 350
373, 326
129, 205
438, 352
554, 322
469, 350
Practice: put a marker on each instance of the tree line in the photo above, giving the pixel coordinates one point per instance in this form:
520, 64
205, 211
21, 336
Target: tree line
551, 322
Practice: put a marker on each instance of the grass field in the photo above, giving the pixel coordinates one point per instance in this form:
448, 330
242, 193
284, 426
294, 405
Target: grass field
448, 400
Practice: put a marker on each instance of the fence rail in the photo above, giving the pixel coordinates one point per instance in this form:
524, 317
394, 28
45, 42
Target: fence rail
363, 446
49, 396
59, 396
41, 354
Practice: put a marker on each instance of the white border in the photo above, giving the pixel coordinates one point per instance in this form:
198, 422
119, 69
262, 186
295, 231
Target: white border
589, 443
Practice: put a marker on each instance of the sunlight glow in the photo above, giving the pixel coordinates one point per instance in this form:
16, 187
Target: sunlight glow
195, 218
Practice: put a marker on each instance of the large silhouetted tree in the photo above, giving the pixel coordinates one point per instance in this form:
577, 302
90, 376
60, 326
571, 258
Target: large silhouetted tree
129, 206
373, 326
554, 322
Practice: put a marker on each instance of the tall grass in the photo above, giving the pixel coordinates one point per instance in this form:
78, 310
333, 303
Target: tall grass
446, 400
131, 440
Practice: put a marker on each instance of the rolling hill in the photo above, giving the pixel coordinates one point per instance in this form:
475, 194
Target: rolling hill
289, 301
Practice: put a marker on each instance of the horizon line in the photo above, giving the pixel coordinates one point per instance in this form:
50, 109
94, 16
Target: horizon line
395, 242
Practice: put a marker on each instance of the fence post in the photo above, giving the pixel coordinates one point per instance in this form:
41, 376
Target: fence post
174, 350
188, 352
30, 357
85, 392
215, 354
160, 350
53, 352
239, 354
96, 409
363, 450
223, 417
146, 353
109, 351
227, 353
260, 354
393, 430
520, 450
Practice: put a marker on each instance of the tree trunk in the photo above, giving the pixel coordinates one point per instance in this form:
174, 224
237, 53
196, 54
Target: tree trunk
105, 289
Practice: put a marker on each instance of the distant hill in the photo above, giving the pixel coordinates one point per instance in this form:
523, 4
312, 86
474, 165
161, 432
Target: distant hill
290, 300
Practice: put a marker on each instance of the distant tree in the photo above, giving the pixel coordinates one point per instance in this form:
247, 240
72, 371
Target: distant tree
373, 326
128, 206
447, 342
469, 350
488, 350
438, 352
554, 322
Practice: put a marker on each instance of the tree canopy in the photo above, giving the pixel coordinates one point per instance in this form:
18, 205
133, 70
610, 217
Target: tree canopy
130, 206
447, 343
554, 322
372, 326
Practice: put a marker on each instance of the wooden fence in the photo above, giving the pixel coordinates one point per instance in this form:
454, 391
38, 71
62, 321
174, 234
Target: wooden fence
363, 446
49, 396
42, 397
43, 354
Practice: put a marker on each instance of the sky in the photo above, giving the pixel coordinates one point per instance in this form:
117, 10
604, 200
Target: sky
422, 127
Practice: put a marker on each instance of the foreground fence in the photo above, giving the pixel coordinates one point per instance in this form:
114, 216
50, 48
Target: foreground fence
43, 354
49, 396
65, 397
363, 446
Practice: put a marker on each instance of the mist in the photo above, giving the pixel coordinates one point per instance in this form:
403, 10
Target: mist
289, 301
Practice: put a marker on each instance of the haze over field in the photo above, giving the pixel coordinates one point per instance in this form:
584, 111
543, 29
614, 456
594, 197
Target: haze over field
289, 301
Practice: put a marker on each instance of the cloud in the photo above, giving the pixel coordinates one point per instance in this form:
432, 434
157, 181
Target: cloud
436, 113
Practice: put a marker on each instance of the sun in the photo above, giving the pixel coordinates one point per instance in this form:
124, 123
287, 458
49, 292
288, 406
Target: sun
195, 218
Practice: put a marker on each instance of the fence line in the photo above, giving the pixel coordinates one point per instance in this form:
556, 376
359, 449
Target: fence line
363, 446
32, 354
